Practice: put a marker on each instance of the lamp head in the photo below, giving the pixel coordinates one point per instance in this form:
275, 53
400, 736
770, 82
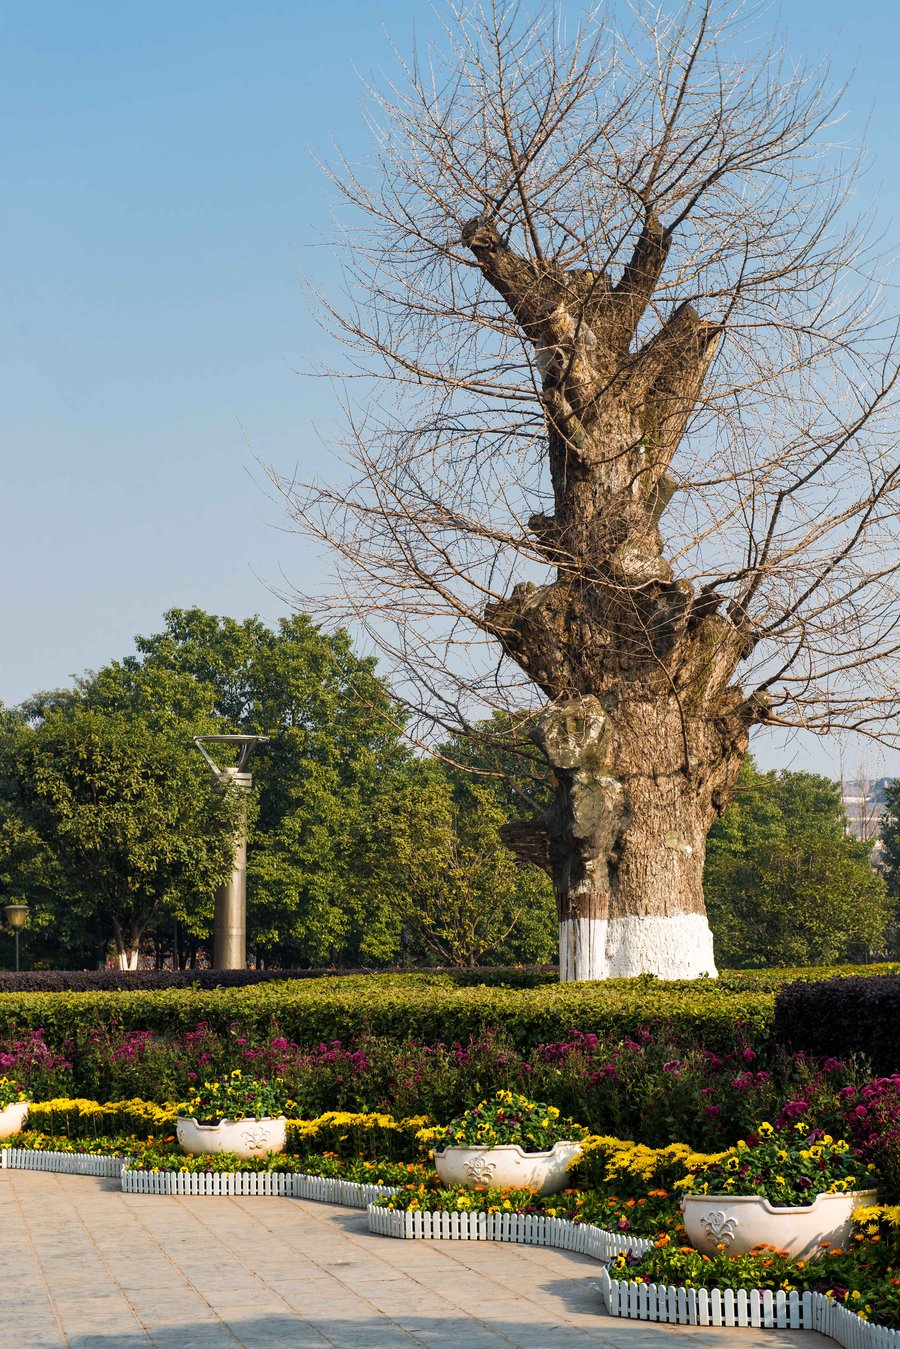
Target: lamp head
16, 915
244, 743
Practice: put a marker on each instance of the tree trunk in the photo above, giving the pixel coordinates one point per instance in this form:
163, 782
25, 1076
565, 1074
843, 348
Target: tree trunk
643, 729
626, 836
127, 951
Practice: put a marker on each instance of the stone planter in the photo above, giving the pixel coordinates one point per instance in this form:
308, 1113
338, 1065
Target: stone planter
246, 1138
507, 1165
740, 1222
12, 1118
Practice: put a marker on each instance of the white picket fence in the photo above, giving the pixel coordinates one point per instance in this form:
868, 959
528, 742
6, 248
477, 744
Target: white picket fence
69, 1163
293, 1184
737, 1307
530, 1229
290, 1184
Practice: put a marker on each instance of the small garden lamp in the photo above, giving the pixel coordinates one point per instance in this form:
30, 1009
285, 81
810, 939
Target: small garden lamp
16, 917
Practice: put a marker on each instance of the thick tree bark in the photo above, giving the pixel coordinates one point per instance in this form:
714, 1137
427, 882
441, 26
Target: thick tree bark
643, 730
626, 837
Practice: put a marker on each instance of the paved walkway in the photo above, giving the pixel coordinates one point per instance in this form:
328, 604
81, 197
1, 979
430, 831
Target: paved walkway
87, 1267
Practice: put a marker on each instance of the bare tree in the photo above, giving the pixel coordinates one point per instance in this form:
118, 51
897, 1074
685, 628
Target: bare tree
621, 446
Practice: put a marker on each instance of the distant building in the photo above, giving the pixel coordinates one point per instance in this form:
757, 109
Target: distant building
864, 806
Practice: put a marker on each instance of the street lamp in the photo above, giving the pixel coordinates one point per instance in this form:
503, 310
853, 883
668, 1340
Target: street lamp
230, 928
16, 916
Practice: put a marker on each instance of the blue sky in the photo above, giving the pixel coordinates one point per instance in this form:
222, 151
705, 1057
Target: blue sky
159, 205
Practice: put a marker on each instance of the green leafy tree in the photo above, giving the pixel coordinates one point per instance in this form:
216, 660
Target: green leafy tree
890, 859
320, 884
131, 821
466, 899
784, 882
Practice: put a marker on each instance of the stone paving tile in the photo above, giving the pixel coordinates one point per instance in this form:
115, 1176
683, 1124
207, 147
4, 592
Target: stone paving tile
86, 1267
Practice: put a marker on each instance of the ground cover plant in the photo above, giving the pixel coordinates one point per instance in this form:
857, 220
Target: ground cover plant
508, 1117
655, 1084
237, 1095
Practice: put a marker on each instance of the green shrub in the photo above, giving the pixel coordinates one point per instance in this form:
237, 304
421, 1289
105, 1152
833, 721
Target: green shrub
839, 1017
423, 1007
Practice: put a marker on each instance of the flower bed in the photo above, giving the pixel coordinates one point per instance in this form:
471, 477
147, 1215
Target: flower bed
663, 1080
655, 1083
630, 1212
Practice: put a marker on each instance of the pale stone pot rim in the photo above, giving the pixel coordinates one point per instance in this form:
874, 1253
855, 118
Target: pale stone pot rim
769, 1207
238, 1119
505, 1147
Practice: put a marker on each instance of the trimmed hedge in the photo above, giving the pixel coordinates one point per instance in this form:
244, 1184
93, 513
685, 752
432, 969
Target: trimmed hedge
843, 1016
120, 981
430, 1008
481, 976
439, 1006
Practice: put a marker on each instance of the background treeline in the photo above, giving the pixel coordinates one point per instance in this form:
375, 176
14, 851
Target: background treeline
361, 851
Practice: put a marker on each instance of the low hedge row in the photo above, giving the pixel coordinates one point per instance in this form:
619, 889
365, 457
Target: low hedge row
122, 981
440, 1006
480, 976
400, 1007
840, 1017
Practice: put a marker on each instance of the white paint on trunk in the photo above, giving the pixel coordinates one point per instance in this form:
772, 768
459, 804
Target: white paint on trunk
582, 948
678, 946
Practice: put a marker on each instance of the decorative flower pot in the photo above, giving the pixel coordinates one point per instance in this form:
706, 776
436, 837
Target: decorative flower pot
246, 1138
508, 1165
740, 1222
12, 1118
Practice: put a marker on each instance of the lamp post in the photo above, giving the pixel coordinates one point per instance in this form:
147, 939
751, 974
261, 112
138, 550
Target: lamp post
16, 916
230, 927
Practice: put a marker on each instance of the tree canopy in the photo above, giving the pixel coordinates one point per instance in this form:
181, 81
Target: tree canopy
785, 883
111, 827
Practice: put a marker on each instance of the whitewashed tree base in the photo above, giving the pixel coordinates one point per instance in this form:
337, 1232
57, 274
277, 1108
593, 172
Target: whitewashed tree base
671, 946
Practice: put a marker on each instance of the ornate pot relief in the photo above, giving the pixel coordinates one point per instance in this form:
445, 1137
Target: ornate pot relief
246, 1138
737, 1223
508, 1165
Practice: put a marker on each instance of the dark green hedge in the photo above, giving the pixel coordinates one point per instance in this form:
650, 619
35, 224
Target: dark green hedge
843, 1016
430, 1008
123, 981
